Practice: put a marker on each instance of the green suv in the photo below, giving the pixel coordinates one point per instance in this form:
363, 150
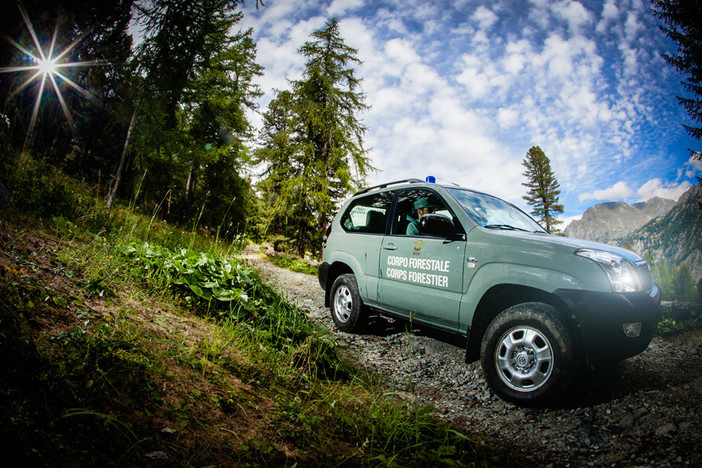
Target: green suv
533, 307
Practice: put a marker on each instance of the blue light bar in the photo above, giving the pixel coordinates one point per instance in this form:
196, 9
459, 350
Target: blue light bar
431, 179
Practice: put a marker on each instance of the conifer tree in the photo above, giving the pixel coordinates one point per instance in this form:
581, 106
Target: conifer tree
313, 139
683, 284
198, 85
682, 19
663, 278
543, 189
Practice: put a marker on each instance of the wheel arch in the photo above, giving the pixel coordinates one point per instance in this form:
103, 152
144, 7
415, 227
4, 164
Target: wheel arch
500, 297
335, 270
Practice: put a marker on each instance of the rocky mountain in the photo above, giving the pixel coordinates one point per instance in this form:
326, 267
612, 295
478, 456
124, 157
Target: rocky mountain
607, 222
676, 236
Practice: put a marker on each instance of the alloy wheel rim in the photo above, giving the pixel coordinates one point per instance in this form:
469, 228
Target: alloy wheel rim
343, 303
524, 359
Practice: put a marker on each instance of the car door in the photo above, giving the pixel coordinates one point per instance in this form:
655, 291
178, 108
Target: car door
421, 276
365, 221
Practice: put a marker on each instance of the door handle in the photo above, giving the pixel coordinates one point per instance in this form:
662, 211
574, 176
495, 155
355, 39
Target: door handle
390, 247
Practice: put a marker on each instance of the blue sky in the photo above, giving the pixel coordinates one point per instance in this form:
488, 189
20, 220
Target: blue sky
462, 89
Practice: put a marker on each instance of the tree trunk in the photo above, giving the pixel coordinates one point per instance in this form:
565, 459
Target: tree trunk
118, 176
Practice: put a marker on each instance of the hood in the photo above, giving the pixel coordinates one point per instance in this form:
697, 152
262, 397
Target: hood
571, 243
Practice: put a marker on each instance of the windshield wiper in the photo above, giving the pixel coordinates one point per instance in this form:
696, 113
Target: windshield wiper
505, 227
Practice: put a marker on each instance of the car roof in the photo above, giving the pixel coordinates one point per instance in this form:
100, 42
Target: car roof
403, 181
424, 184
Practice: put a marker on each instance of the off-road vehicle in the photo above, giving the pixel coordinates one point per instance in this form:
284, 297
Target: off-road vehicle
533, 307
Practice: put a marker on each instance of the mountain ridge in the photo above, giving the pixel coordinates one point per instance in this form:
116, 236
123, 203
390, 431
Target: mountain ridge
675, 236
608, 221
658, 227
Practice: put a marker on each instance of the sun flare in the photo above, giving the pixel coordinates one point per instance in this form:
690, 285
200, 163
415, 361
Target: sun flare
45, 67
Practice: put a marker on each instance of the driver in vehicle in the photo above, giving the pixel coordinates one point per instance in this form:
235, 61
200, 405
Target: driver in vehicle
422, 206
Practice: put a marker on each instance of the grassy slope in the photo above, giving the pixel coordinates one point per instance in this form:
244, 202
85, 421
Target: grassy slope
104, 362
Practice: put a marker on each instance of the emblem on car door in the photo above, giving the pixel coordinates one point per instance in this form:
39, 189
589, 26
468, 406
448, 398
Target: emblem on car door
418, 247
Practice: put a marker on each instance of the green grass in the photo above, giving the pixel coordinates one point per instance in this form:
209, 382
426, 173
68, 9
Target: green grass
123, 338
294, 264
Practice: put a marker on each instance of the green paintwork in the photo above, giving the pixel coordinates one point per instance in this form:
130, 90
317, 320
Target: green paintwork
441, 281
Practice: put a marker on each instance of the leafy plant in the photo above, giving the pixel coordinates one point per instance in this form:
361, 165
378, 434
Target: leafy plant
231, 291
679, 318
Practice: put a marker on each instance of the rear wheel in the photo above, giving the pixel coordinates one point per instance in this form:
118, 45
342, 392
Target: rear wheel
527, 354
347, 309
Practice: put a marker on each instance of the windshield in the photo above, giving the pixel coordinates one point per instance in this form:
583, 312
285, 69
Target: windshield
492, 213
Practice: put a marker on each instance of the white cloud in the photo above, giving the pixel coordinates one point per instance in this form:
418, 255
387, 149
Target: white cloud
507, 117
400, 53
693, 167
632, 26
610, 11
567, 220
574, 13
475, 79
517, 56
340, 7
618, 191
657, 188
484, 17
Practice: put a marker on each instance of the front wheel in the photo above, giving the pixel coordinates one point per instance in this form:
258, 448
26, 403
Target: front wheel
347, 309
527, 354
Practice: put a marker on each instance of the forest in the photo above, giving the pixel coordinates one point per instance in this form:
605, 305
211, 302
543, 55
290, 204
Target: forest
149, 103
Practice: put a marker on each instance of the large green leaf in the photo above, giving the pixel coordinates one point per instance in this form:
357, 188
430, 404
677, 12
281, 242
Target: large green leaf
226, 295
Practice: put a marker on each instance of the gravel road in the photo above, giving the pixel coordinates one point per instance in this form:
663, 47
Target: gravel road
647, 412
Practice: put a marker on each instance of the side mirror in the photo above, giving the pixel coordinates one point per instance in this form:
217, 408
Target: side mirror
437, 225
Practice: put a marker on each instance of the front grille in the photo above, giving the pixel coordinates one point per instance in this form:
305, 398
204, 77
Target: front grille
645, 275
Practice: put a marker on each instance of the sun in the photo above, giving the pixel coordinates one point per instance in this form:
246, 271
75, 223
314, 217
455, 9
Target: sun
46, 67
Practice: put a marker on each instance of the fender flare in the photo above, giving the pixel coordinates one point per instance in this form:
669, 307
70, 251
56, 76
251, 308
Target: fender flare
343, 262
528, 283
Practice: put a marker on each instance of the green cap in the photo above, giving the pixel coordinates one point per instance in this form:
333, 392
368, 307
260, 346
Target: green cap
423, 203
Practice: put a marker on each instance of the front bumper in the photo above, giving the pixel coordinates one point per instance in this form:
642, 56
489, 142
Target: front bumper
600, 319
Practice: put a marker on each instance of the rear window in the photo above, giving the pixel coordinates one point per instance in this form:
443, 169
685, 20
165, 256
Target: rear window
368, 214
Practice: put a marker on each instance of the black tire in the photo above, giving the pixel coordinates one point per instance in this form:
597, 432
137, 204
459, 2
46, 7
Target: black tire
527, 354
347, 308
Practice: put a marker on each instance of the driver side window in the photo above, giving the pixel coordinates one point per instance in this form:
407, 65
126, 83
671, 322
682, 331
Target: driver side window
411, 205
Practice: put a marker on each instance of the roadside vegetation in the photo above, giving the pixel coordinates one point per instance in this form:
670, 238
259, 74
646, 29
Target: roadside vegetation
294, 264
128, 341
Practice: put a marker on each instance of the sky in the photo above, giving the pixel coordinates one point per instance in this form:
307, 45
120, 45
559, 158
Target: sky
462, 89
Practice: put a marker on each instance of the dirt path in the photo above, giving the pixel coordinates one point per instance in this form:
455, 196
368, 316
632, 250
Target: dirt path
647, 412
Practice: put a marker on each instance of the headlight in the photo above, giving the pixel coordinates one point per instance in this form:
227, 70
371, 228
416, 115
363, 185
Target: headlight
622, 274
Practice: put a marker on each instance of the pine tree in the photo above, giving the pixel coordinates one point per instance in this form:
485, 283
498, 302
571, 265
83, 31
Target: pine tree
543, 189
198, 84
682, 20
683, 284
279, 152
663, 278
313, 139
213, 120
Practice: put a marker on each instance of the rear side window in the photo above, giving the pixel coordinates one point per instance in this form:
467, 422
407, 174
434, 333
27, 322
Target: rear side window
368, 214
